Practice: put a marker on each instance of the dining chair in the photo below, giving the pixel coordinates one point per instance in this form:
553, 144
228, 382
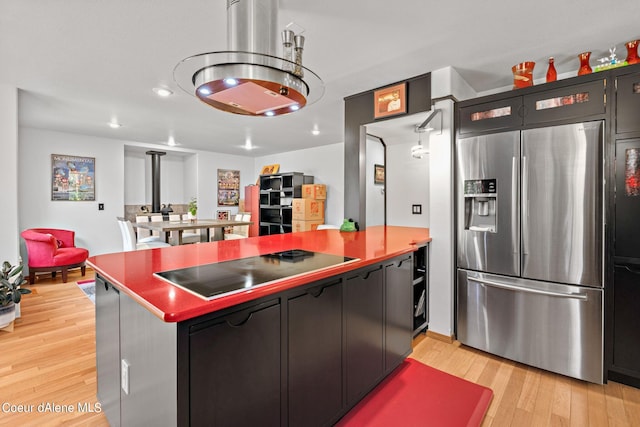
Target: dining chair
143, 233
156, 218
239, 231
173, 236
130, 241
189, 236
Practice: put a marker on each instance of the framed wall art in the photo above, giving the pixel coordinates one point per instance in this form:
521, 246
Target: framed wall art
378, 174
390, 101
73, 178
223, 215
228, 187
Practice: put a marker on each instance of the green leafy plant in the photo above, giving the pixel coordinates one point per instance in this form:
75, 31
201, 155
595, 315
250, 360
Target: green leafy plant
11, 279
193, 206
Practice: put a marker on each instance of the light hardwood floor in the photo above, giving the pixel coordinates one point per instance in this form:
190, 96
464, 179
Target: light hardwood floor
50, 358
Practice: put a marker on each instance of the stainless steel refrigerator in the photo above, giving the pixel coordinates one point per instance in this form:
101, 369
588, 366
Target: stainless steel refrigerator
530, 246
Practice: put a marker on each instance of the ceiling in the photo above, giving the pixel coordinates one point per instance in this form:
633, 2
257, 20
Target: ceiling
81, 63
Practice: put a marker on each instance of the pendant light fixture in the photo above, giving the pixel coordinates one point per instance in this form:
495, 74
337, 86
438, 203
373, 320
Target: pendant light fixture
250, 78
419, 150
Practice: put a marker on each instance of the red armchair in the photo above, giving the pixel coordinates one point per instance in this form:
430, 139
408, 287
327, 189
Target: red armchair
53, 250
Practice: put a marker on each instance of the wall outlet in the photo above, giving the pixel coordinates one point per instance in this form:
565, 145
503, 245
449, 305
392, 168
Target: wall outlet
100, 206
124, 376
416, 209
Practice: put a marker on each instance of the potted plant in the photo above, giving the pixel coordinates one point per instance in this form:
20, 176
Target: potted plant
10, 292
193, 208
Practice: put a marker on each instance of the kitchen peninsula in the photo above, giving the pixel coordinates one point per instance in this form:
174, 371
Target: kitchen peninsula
295, 350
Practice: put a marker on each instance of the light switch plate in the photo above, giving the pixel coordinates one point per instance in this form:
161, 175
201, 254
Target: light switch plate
124, 376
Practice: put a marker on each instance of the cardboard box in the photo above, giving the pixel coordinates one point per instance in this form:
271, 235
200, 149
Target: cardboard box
298, 225
308, 209
314, 191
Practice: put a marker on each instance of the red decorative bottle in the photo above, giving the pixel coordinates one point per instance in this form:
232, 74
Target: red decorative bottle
585, 68
632, 52
552, 76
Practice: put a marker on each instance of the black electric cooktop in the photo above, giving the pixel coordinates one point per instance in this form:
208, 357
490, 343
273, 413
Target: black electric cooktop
211, 281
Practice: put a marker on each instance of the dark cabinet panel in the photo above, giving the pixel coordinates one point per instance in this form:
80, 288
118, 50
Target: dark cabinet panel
315, 355
490, 116
627, 201
628, 103
626, 337
235, 369
398, 308
364, 332
571, 102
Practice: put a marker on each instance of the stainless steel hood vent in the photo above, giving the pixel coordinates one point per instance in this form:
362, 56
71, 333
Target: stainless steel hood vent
249, 78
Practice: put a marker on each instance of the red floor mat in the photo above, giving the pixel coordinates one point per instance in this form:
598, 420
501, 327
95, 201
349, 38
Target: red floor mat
418, 395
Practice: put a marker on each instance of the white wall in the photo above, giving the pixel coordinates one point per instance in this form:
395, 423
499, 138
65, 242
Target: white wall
374, 192
207, 180
444, 82
407, 185
325, 163
138, 178
95, 230
9, 229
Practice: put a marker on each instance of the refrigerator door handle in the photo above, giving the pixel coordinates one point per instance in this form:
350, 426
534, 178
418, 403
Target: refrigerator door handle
525, 206
514, 205
528, 290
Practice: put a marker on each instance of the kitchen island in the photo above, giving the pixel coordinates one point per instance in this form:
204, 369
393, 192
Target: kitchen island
299, 350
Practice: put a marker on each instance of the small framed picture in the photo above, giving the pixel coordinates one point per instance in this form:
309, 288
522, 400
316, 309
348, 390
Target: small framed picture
390, 101
378, 174
223, 215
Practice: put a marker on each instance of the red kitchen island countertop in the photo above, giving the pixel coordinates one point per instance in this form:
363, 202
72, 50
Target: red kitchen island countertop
132, 272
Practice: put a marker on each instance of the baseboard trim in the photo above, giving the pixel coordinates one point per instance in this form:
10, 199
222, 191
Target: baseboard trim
449, 339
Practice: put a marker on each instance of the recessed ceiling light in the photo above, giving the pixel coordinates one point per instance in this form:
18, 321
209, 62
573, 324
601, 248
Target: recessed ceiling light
269, 113
172, 142
114, 125
204, 91
231, 81
162, 91
315, 132
248, 145
294, 107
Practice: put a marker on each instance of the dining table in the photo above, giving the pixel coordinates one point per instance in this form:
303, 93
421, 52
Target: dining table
204, 225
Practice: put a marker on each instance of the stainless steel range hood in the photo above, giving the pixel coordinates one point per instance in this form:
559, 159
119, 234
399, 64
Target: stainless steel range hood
250, 78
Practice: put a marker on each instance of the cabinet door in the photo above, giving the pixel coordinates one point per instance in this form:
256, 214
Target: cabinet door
315, 355
364, 332
235, 369
108, 349
571, 102
626, 335
398, 312
490, 116
628, 103
627, 191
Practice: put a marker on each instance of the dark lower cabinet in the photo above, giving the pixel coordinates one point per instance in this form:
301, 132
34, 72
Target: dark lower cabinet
235, 369
364, 332
315, 355
626, 335
302, 357
398, 290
